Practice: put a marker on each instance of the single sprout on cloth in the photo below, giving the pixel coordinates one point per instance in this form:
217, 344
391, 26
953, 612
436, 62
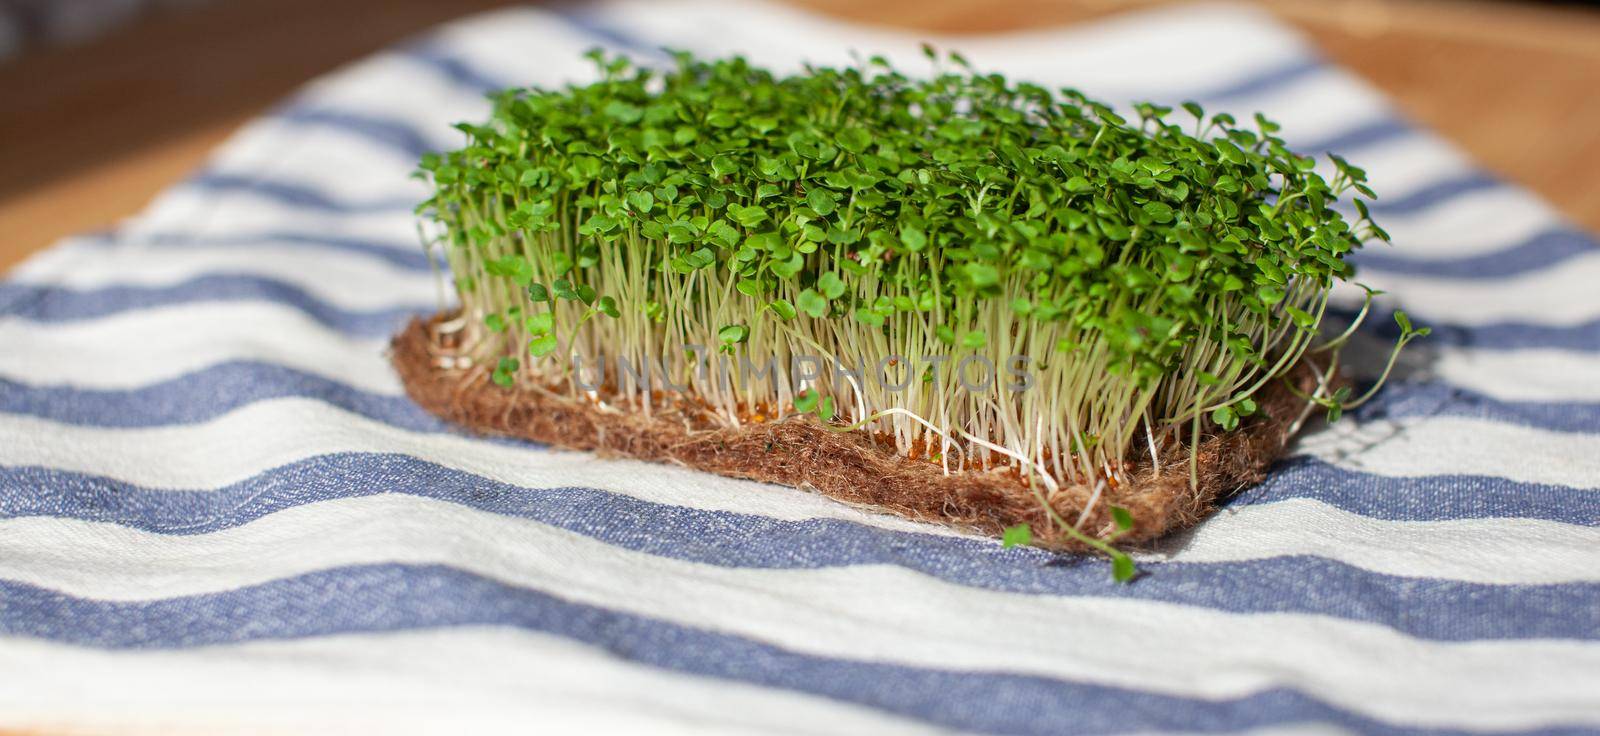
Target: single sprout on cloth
958, 298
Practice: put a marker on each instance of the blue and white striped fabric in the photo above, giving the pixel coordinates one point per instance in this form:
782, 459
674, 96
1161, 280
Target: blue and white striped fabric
219, 512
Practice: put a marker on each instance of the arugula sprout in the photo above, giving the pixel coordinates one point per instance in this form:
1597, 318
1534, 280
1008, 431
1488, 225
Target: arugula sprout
1156, 273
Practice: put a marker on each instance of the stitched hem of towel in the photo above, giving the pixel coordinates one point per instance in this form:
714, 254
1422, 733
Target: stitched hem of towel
852, 466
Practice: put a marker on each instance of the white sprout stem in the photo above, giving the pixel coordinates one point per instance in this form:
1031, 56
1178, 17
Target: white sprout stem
1044, 473
1088, 506
1150, 437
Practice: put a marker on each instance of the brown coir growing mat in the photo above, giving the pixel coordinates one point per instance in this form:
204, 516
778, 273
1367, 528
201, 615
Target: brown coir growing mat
850, 466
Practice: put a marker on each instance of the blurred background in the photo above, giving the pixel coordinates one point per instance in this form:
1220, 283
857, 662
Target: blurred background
105, 102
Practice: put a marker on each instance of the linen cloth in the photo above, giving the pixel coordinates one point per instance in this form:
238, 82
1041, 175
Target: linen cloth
218, 511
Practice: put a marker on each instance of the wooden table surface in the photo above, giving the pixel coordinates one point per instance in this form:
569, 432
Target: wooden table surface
89, 134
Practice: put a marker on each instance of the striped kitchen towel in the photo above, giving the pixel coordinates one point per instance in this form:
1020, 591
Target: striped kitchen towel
218, 511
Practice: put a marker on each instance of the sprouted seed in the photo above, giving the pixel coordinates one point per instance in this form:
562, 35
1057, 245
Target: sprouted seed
1153, 274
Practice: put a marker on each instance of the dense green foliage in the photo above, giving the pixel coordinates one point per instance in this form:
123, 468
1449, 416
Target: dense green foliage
1155, 272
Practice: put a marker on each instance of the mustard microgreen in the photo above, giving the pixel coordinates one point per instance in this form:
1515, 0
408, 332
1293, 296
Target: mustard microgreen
1156, 272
